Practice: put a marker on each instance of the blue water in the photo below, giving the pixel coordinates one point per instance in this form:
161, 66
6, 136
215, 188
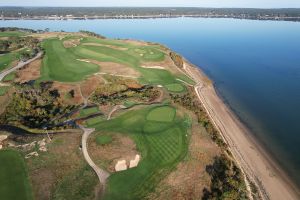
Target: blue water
255, 66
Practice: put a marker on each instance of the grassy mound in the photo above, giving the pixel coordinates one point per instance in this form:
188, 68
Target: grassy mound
162, 114
175, 87
61, 64
161, 151
14, 183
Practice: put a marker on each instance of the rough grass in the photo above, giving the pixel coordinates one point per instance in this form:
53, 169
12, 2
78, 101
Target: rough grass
175, 87
94, 120
103, 139
14, 183
10, 77
6, 60
162, 114
3, 90
61, 64
186, 79
161, 149
78, 185
89, 111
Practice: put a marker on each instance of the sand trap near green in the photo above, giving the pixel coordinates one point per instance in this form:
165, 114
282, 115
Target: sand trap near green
162, 114
14, 183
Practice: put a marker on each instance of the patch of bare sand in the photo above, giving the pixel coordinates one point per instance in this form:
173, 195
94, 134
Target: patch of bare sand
116, 69
135, 42
29, 72
189, 179
64, 89
71, 43
121, 148
106, 45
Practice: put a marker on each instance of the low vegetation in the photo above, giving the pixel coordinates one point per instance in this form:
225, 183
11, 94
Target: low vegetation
226, 180
121, 90
36, 107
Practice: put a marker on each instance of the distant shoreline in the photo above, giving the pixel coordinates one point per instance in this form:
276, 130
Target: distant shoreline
103, 17
258, 165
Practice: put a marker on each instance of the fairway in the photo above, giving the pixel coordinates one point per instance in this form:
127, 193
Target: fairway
61, 64
162, 114
160, 151
175, 87
14, 183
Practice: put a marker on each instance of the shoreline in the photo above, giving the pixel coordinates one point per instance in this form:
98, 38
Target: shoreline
255, 161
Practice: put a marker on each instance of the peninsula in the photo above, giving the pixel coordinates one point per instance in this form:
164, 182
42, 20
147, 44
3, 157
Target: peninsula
87, 117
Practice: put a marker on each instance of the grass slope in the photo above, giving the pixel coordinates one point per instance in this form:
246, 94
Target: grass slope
89, 111
14, 183
61, 64
162, 147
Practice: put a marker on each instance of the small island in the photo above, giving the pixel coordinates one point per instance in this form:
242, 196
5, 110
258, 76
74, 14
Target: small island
87, 117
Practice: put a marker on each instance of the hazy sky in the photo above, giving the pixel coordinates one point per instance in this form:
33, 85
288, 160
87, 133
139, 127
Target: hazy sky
186, 3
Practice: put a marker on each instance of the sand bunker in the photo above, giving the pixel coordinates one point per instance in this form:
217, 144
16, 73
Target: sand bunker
121, 165
135, 162
153, 67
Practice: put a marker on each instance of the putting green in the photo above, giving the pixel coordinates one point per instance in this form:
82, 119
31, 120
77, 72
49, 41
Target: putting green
162, 114
14, 183
160, 152
175, 87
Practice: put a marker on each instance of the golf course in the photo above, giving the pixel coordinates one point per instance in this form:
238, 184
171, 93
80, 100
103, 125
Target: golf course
112, 119
162, 139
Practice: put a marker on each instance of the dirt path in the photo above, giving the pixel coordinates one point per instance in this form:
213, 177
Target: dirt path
115, 108
250, 156
101, 173
18, 66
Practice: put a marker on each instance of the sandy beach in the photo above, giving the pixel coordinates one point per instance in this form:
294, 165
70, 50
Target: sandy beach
258, 166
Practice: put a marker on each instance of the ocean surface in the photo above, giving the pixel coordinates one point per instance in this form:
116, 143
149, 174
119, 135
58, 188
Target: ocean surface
255, 66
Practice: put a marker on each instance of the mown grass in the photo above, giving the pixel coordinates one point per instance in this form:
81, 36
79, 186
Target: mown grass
89, 111
12, 34
175, 87
61, 64
161, 147
186, 79
14, 183
10, 77
94, 120
162, 114
7, 59
103, 139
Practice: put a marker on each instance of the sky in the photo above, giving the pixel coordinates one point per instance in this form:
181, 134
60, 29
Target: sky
158, 3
